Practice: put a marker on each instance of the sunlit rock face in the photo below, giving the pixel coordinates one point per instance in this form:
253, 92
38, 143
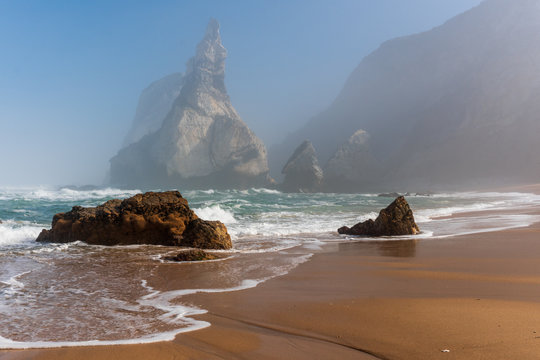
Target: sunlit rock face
456, 107
154, 104
202, 142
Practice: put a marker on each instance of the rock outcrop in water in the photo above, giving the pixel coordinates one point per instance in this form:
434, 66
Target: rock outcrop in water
192, 255
202, 142
352, 166
396, 219
151, 218
302, 171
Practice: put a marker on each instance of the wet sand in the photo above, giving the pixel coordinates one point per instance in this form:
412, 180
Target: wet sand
477, 296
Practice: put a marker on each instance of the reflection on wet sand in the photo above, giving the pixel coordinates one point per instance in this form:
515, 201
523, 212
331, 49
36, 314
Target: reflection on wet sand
390, 248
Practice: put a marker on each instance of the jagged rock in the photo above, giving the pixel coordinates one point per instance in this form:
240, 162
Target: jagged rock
302, 171
396, 219
192, 255
151, 218
352, 165
154, 104
202, 142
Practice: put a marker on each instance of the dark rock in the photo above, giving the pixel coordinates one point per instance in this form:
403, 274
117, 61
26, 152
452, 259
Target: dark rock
192, 255
206, 235
302, 171
396, 219
151, 218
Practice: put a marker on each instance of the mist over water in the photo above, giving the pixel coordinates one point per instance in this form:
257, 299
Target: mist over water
453, 106
72, 75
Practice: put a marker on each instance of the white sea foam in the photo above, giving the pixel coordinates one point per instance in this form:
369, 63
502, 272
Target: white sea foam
369, 216
216, 212
13, 233
173, 313
14, 282
480, 224
64, 194
265, 191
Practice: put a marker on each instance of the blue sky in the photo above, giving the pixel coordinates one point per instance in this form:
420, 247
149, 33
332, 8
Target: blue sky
71, 71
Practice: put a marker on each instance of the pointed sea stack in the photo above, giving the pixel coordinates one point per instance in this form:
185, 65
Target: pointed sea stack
396, 219
302, 171
202, 142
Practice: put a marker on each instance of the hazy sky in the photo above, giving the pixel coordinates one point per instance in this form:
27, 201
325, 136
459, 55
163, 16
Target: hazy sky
71, 71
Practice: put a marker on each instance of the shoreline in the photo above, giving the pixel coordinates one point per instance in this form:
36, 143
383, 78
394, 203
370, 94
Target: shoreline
475, 295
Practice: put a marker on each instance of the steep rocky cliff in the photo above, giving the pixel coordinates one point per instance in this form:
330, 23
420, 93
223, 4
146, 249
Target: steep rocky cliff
154, 104
456, 106
202, 142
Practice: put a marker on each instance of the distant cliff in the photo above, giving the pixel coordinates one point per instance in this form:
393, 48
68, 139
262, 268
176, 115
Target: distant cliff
457, 106
201, 142
155, 103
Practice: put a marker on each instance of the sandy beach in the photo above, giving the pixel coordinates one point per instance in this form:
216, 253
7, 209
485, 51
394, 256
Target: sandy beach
467, 297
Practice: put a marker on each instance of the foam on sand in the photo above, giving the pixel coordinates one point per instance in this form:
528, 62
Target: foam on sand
172, 313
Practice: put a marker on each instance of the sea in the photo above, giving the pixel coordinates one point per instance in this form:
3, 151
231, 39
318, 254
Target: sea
55, 295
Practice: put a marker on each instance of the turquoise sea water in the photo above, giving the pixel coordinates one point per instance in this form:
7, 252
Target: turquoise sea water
75, 294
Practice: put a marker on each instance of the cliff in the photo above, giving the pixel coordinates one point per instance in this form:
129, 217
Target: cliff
453, 107
202, 142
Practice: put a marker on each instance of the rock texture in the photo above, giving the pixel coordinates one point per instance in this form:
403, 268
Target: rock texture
455, 106
154, 104
352, 166
192, 255
302, 171
202, 142
396, 219
151, 218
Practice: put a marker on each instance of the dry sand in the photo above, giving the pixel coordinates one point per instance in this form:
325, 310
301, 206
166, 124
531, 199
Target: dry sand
477, 296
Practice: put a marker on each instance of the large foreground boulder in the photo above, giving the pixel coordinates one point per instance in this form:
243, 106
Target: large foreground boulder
396, 219
151, 218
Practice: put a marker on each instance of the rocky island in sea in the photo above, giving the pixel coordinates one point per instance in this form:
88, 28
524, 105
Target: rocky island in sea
151, 218
202, 142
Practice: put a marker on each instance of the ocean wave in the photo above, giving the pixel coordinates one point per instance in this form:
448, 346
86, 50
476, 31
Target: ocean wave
166, 302
427, 215
18, 232
216, 212
265, 191
64, 194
